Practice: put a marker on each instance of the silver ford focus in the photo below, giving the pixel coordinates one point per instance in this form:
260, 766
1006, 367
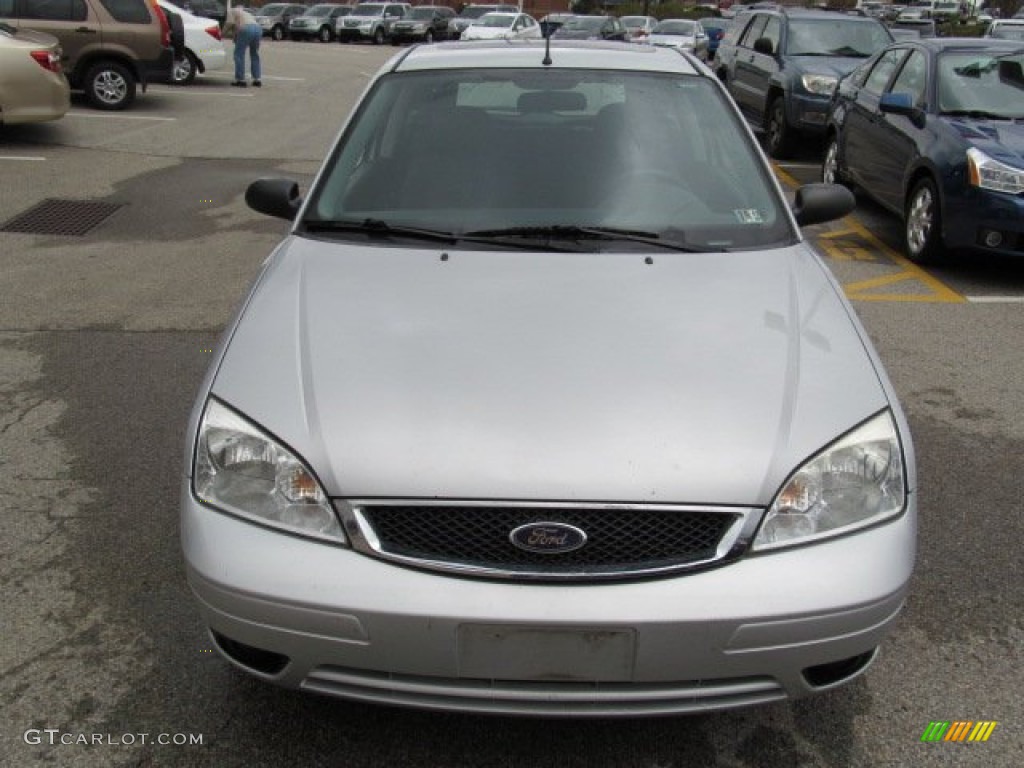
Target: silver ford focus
546, 406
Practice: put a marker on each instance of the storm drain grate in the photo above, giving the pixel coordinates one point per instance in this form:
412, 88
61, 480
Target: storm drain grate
60, 217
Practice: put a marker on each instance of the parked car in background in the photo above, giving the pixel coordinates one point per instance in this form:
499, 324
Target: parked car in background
638, 27
591, 28
33, 88
370, 21
715, 28
782, 66
441, 496
319, 22
424, 23
998, 25
204, 49
499, 25
684, 34
109, 50
275, 18
934, 131
471, 13
918, 27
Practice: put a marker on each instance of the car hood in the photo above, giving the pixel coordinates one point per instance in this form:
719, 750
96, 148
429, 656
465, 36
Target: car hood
486, 33
702, 378
1002, 140
836, 66
672, 40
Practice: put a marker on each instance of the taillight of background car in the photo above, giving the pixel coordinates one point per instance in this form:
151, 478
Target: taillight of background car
47, 60
213, 31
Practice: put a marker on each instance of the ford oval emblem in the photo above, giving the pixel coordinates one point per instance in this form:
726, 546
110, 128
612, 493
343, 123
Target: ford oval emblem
548, 538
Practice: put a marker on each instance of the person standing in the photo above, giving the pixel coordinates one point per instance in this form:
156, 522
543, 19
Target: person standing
248, 34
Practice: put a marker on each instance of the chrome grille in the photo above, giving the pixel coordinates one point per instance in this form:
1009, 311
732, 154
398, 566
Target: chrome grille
621, 541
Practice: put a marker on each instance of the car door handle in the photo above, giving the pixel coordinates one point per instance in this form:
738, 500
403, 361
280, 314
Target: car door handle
90, 30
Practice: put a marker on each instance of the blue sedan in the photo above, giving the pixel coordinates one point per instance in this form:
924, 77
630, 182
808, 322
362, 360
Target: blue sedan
934, 131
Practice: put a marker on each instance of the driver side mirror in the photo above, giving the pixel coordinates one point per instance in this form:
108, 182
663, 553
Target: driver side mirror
818, 203
902, 104
763, 45
274, 197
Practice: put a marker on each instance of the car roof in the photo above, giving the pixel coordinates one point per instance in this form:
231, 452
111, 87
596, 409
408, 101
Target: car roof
969, 43
565, 54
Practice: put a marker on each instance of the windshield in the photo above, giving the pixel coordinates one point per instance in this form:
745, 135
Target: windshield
836, 37
271, 10
368, 9
462, 151
496, 20
634, 22
1009, 33
319, 11
584, 22
982, 83
423, 13
474, 12
684, 28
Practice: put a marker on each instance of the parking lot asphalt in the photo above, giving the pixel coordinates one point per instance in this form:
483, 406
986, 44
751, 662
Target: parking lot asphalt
104, 338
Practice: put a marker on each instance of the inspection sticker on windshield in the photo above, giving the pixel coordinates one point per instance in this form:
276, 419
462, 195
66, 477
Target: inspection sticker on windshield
749, 216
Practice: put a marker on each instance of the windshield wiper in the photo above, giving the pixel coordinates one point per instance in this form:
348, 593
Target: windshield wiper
380, 227
980, 114
577, 233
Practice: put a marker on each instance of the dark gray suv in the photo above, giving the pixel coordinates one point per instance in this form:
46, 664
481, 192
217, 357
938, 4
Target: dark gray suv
782, 65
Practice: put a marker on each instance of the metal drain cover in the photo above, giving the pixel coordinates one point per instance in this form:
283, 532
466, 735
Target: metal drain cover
60, 217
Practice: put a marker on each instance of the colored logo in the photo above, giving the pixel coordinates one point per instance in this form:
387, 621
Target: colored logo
959, 730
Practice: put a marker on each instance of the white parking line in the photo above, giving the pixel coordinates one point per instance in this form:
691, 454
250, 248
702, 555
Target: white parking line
995, 299
20, 157
120, 117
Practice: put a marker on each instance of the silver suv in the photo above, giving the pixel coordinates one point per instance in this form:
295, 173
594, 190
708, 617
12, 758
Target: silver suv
370, 21
275, 18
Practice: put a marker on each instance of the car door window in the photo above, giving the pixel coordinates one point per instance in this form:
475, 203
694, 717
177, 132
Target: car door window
913, 78
55, 10
773, 32
753, 31
883, 70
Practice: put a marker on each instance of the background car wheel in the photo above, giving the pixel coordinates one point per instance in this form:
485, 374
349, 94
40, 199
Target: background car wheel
429, 37
779, 136
378, 36
185, 69
325, 35
277, 33
923, 224
830, 170
109, 85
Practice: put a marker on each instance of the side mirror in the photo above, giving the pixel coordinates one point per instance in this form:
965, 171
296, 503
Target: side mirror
274, 197
818, 203
763, 45
902, 104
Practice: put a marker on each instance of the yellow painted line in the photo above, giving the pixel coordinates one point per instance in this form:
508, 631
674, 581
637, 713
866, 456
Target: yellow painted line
939, 291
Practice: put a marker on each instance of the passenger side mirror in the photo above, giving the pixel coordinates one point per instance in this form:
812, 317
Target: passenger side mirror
818, 203
763, 45
274, 197
902, 104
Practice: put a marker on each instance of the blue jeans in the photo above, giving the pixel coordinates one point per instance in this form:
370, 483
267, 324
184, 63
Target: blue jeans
248, 38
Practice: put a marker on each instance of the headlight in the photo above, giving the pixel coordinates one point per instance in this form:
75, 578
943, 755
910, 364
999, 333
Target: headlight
986, 173
419, 27
855, 482
823, 85
243, 471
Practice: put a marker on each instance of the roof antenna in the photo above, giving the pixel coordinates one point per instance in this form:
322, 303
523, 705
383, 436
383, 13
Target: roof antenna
547, 49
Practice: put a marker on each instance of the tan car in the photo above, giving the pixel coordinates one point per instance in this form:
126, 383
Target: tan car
110, 47
33, 88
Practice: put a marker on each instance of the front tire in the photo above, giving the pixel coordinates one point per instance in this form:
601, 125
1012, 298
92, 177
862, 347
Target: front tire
277, 33
778, 134
429, 37
109, 85
325, 35
378, 36
923, 224
185, 69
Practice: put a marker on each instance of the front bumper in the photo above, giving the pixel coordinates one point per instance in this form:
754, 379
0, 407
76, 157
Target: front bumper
348, 625
971, 218
808, 113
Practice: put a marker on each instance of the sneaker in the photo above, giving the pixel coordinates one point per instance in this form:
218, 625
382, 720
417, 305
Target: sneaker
257, 84
238, 83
